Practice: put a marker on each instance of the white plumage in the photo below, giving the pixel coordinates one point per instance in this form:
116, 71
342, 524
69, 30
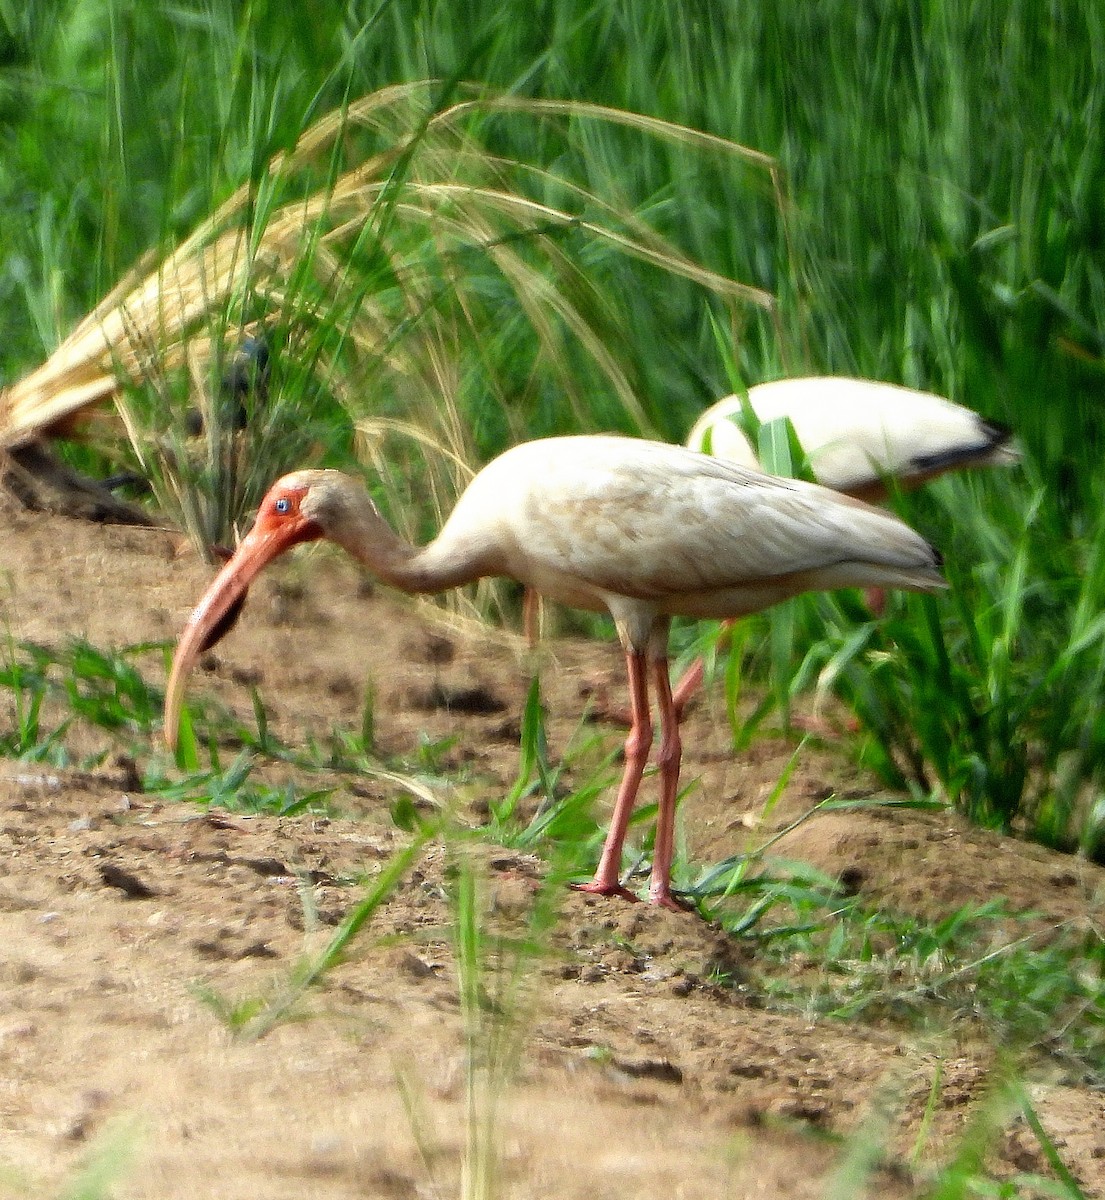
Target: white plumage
856, 432
857, 435
587, 520
641, 529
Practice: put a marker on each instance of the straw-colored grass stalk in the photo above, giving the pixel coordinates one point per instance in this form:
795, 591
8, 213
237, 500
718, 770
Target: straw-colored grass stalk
380, 256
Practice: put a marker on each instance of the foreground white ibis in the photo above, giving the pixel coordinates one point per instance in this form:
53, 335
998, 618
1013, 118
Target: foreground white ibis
857, 435
640, 529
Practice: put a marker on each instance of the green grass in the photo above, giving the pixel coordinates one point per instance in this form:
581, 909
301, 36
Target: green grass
934, 220
51, 694
1036, 993
1038, 990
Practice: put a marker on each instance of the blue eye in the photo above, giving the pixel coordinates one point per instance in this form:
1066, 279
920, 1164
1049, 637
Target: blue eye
282, 505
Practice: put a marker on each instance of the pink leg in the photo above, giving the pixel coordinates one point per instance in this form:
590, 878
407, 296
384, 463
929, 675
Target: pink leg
671, 752
688, 685
875, 598
607, 880
685, 689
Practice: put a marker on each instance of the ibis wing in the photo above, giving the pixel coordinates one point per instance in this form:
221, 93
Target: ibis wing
682, 523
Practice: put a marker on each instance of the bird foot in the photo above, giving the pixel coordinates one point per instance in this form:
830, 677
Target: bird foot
606, 889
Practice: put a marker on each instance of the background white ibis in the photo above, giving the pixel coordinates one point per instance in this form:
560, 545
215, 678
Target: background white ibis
640, 529
857, 435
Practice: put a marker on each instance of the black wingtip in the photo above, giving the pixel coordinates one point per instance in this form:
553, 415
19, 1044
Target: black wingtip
997, 433
992, 435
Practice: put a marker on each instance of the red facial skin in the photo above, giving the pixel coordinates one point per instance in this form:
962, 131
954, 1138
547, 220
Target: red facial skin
279, 526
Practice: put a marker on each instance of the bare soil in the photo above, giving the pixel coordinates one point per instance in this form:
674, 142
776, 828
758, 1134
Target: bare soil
651, 1064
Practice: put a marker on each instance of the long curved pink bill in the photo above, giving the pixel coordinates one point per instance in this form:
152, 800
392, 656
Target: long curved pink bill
217, 610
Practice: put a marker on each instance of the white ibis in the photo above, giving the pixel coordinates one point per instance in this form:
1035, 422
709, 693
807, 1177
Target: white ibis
640, 529
856, 434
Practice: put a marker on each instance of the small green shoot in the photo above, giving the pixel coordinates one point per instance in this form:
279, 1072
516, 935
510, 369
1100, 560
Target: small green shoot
1069, 1187
187, 749
533, 766
563, 815
260, 715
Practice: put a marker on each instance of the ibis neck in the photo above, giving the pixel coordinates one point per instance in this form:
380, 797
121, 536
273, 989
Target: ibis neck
413, 569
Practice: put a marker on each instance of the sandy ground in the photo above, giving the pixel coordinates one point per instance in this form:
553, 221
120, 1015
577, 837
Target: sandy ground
649, 1063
